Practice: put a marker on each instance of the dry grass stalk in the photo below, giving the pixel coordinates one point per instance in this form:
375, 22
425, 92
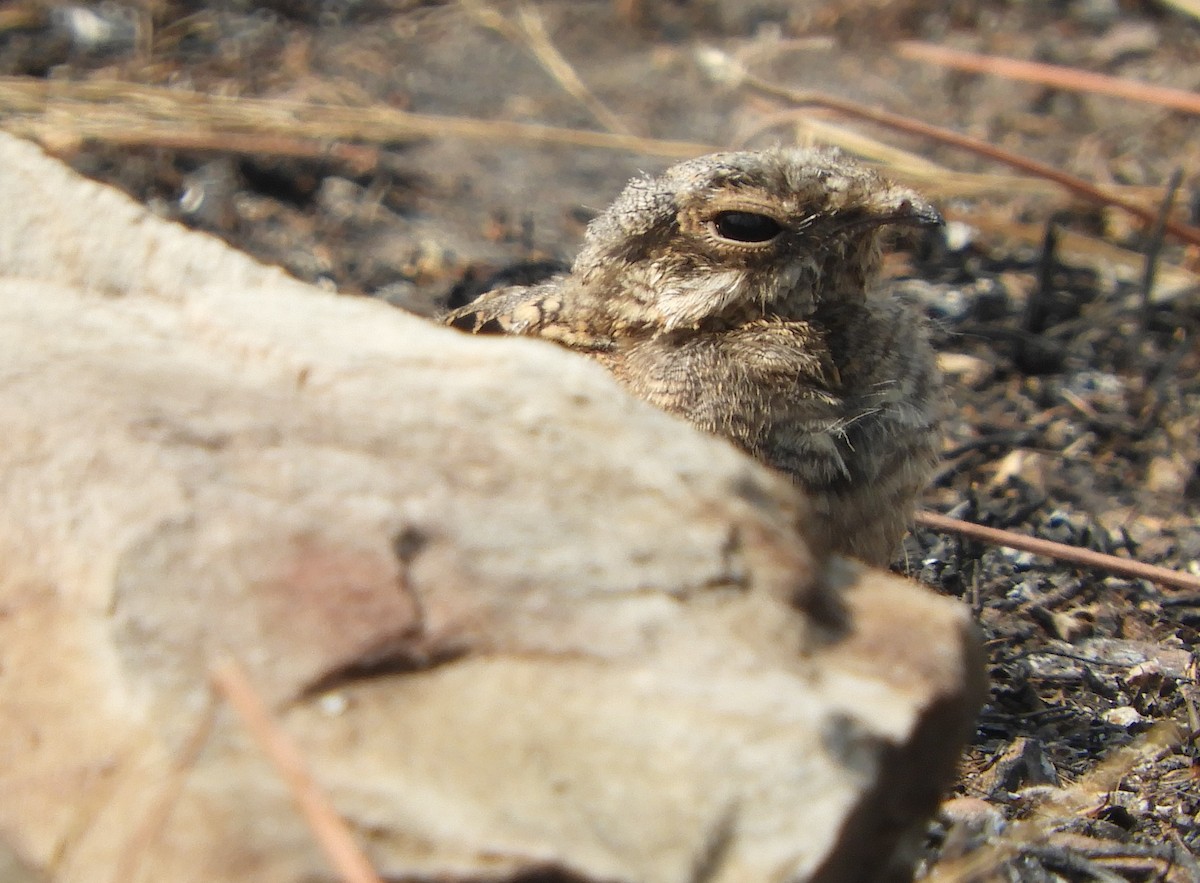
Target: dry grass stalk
126, 113
812, 129
327, 826
161, 804
530, 32
1056, 76
1060, 552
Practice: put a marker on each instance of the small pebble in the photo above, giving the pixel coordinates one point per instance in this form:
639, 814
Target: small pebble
1123, 716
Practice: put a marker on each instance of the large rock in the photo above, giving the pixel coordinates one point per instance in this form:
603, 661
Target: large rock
515, 619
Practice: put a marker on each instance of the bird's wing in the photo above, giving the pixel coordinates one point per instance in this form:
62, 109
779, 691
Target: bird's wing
535, 311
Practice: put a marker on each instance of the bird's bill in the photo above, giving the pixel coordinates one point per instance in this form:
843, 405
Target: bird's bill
904, 207
896, 206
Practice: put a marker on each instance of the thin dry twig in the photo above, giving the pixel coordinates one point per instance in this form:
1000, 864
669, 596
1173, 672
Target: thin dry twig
155, 817
1059, 551
327, 826
126, 113
359, 157
810, 128
1153, 252
1058, 76
530, 32
728, 70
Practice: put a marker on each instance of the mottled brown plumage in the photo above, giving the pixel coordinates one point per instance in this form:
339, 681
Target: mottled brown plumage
736, 290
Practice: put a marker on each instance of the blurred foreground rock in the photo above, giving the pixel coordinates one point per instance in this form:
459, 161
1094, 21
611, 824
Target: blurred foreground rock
516, 620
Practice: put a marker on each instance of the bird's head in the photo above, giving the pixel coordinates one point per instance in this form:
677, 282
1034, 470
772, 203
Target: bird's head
774, 232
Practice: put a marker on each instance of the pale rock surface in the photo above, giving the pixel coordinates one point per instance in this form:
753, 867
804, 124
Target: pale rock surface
515, 619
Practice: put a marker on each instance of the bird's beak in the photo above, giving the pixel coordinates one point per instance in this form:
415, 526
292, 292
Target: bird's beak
894, 206
899, 205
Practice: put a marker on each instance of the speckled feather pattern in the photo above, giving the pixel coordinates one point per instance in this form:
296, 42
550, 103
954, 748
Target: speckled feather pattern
782, 346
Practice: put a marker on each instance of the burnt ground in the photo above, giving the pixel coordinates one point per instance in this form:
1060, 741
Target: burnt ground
1074, 388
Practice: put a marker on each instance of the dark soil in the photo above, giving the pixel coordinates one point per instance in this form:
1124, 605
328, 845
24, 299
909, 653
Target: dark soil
1075, 402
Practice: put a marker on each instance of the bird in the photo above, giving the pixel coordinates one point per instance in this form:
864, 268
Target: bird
740, 291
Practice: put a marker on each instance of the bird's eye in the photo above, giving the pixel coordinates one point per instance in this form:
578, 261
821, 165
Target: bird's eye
746, 226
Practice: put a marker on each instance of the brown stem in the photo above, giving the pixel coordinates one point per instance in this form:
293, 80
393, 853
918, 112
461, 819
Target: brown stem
1057, 76
1059, 551
327, 826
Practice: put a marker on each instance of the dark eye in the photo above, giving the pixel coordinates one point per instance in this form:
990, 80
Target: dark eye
746, 227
